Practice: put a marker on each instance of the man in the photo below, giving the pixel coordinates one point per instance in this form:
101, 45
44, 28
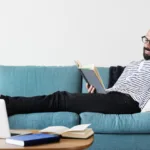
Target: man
128, 95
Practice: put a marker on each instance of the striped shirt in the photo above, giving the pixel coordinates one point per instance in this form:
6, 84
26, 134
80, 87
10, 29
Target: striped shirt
135, 81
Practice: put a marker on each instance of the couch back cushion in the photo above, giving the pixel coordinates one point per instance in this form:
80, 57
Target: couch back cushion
104, 73
38, 80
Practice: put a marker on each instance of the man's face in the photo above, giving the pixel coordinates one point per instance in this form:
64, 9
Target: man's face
146, 48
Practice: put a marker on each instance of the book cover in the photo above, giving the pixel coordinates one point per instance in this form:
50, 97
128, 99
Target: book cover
93, 80
33, 139
91, 76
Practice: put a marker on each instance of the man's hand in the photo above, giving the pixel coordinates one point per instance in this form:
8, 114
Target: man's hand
90, 88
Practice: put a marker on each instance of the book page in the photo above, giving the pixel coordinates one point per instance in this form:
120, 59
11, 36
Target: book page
77, 63
81, 127
98, 76
89, 66
55, 129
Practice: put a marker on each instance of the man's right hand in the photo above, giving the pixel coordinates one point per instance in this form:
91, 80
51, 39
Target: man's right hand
90, 88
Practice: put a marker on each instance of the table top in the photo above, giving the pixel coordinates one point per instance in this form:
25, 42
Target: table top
63, 144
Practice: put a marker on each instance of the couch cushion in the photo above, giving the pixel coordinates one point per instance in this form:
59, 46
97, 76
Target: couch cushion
43, 120
121, 142
104, 73
38, 80
113, 123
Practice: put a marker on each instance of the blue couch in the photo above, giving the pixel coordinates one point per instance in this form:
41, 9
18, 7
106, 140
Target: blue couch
112, 132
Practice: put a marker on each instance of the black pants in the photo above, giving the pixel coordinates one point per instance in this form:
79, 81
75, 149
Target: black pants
110, 103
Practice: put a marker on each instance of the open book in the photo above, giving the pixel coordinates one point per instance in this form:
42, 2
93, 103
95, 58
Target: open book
80, 131
91, 76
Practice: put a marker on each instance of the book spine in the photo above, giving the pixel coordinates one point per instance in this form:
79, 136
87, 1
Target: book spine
41, 141
84, 77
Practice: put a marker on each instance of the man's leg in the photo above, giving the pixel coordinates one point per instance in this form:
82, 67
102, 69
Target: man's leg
111, 103
43, 103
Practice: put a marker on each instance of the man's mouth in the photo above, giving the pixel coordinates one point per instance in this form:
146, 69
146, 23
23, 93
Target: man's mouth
147, 51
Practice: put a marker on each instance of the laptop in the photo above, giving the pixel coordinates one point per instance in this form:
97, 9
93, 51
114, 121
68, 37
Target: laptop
5, 131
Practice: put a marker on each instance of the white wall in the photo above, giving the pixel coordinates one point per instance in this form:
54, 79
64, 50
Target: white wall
56, 32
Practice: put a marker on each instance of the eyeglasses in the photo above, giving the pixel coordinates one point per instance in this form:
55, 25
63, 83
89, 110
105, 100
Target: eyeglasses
145, 40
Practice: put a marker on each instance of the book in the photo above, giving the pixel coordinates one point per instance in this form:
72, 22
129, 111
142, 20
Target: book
79, 131
33, 139
91, 76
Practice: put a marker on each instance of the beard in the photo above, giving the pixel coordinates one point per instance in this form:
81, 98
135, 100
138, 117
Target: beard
146, 56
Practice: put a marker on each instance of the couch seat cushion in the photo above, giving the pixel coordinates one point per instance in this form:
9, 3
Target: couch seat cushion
121, 142
43, 120
114, 123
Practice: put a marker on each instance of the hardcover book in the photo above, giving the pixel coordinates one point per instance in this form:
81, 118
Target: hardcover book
33, 139
80, 131
91, 76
